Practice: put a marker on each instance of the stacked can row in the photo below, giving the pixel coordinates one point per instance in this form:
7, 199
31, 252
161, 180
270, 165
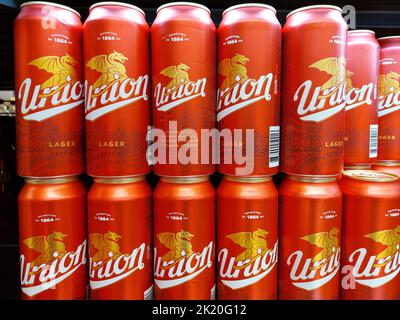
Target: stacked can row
328, 103
329, 115
189, 246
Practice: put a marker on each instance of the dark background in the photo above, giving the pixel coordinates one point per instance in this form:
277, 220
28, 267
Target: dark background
381, 16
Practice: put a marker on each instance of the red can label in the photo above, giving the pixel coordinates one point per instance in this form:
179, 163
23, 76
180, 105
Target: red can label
248, 96
59, 92
316, 260
371, 246
183, 82
48, 260
376, 263
117, 87
111, 264
182, 257
53, 246
310, 245
247, 258
314, 94
120, 241
178, 89
389, 101
49, 92
361, 141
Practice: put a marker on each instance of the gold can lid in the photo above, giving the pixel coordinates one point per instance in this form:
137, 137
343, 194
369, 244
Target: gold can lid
184, 180
122, 180
312, 179
370, 175
248, 179
57, 180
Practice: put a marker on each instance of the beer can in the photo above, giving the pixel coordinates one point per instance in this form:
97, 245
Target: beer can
117, 87
49, 90
247, 238
184, 239
248, 96
361, 139
183, 41
310, 238
387, 166
120, 239
52, 233
389, 99
314, 91
371, 236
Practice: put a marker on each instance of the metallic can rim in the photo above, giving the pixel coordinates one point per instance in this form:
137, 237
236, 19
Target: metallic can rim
388, 37
183, 3
184, 180
357, 167
312, 179
387, 164
248, 179
361, 31
52, 4
246, 5
119, 180
117, 177
51, 180
318, 6
371, 175
120, 4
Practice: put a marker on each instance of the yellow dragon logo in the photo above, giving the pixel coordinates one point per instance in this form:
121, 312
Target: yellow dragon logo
234, 70
110, 66
329, 243
49, 247
107, 247
61, 68
388, 83
179, 75
178, 244
336, 68
389, 238
254, 243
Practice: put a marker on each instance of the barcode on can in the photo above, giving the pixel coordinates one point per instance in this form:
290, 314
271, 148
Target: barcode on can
150, 141
373, 140
274, 132
148, 294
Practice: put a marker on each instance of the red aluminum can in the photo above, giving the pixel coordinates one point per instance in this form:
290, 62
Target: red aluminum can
184, 239
387, 166
52, 233
389, 99
371, 236
248, 97
247, 238
183, 41
120, 238
313, 100
361, 139
310, 238
49, 90
117, 86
